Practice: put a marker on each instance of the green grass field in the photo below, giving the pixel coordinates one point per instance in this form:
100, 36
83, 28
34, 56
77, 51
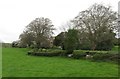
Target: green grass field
17, 64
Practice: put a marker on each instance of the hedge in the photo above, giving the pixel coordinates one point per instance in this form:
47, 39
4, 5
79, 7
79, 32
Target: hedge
106, 57
96, 56
49, 53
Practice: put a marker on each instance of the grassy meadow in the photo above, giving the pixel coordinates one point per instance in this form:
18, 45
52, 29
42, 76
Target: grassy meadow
16, 63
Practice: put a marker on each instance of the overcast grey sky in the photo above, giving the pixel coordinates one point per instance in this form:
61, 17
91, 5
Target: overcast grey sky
16, 14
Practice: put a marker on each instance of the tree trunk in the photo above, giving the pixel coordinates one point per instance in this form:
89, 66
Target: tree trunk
93, 46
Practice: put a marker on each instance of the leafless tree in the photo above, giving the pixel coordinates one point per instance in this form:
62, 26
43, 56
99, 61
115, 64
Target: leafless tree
96, 22
41, 30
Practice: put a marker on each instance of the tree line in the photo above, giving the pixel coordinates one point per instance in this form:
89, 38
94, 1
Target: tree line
92, 29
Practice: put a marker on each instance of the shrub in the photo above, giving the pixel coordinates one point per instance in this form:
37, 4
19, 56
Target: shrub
42, 50
46, 52
84, 51
98, 56
106, 57
116, 58
79, 54
31, 52
92, 53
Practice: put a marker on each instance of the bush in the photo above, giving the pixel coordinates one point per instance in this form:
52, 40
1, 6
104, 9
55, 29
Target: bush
98, 56
31, 52
82, 53
106, 57
92, 53
46, 52
116, 58
79, 54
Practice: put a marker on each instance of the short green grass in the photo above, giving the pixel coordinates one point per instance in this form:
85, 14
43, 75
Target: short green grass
17, 64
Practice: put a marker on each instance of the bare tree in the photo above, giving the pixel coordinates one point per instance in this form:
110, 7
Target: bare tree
26, 39
41, 30
97, 22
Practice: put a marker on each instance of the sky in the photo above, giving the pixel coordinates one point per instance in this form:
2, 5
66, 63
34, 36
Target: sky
16, 14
